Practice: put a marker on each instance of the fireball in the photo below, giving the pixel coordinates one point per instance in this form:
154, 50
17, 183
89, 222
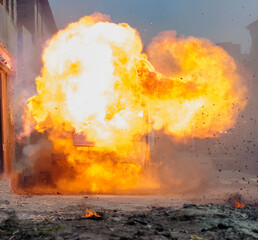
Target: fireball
97, 83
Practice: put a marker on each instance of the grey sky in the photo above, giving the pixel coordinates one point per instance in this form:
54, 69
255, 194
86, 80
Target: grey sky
218, 20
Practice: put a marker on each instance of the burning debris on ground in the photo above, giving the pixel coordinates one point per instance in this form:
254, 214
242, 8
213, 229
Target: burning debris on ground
91, 214
189, 222
127, 217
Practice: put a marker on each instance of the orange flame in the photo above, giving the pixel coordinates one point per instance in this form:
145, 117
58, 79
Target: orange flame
91, 213
97, 83
239, 204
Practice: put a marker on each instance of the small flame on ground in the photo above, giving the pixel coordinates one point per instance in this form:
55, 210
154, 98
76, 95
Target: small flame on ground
91, 214
239, 204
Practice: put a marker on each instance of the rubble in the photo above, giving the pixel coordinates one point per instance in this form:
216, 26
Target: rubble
191, 222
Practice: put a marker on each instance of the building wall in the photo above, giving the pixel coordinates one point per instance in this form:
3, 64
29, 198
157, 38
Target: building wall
34, 30
253, 30
233, 49
8, 31
25, 26
252, 63
8, 44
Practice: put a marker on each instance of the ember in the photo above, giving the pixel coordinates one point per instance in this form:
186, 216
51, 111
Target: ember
91, 214
236, 200
239, 204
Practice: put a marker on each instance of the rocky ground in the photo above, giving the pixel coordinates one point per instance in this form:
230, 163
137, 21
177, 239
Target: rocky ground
182, 216
188, 222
